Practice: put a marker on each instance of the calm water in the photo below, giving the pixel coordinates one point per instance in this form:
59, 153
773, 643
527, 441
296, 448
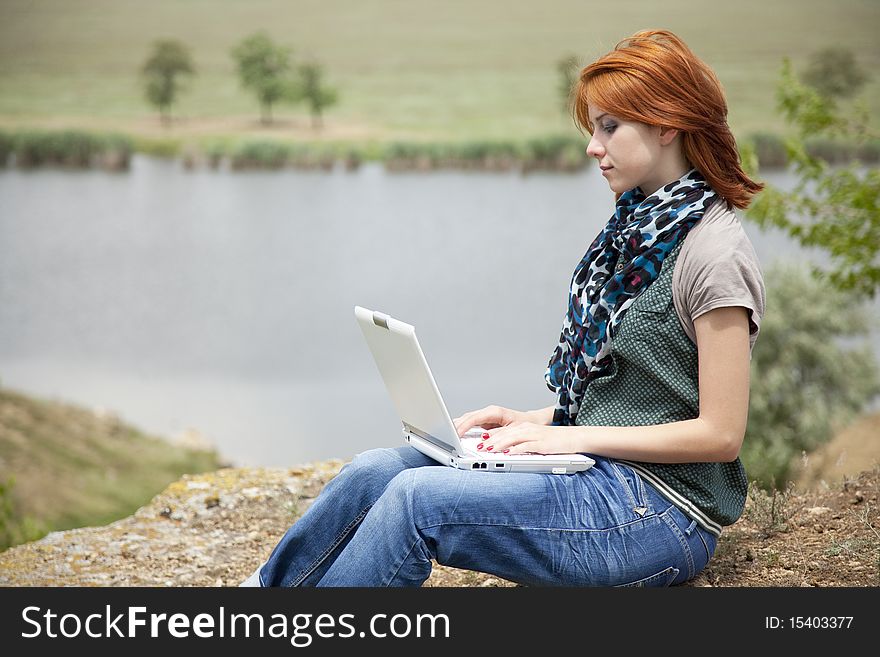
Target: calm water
223, 302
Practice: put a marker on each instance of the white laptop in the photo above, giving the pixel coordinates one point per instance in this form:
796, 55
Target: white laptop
427, 425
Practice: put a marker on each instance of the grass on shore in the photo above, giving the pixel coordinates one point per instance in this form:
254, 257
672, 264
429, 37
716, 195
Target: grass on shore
63, 466
82, 149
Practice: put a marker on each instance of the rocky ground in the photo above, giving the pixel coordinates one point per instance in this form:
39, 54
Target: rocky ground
214, 529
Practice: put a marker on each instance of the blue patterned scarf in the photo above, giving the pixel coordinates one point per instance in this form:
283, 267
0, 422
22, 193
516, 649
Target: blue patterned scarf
641, 233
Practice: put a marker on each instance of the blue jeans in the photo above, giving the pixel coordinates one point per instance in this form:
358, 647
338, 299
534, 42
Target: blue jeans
389, 512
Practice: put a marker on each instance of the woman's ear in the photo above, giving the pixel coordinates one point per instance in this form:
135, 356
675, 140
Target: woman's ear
667, 135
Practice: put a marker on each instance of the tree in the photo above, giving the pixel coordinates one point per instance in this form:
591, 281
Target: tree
837, 209
805, 384
568, 68
265, 68
162, 72
312, 90
835, 72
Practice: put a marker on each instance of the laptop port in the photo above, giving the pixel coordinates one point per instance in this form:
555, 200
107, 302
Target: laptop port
499, 465
475, 466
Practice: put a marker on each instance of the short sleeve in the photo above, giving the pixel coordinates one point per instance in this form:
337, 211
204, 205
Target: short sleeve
718, 267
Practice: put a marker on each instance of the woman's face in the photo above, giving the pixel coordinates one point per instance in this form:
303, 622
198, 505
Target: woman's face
629, 153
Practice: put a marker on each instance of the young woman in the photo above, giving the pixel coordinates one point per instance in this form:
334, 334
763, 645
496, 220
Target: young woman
651, 376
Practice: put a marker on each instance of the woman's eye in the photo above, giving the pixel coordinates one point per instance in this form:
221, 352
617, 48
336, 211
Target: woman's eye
609, 127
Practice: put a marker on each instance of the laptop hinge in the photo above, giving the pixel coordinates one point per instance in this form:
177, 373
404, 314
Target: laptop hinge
428, 438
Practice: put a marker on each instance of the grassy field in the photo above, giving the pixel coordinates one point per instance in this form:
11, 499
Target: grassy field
420, 70
64, 466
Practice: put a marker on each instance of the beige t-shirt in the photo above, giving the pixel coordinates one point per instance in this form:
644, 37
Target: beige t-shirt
717, 267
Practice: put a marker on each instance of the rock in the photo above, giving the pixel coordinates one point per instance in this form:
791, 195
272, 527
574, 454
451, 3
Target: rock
817, 510
203, 530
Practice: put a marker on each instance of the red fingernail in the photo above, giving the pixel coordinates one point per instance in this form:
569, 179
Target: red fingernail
485, 435
480, 446
489, 448
505, 451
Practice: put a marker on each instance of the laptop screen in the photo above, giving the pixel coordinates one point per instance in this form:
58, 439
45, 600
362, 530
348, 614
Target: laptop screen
408, 378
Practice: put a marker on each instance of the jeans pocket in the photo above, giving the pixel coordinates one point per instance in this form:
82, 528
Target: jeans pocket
632, 483
664, 578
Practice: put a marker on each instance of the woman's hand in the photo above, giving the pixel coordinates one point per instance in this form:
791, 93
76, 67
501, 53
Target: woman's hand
529, 438
516, 431
491, 417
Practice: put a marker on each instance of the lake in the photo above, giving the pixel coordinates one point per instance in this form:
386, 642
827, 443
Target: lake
222, 302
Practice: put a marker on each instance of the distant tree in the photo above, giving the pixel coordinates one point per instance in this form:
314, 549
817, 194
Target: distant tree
835, 72
834, 209
312, 90
162, 73
805, 384
265, 69
568, 68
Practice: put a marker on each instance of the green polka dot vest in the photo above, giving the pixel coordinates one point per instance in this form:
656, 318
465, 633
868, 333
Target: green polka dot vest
650, 385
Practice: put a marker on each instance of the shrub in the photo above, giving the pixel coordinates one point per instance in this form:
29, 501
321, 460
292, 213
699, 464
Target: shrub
261, 155
555, 153
71, 148
809, 374
769, 149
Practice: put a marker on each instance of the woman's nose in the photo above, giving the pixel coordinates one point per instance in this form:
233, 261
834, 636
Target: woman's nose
594, 148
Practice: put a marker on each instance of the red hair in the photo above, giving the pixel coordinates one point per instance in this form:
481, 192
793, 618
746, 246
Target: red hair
653, 77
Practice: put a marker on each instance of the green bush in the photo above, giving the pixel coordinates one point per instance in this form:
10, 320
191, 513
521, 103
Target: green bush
277, 155
555, 153
809, 373
869, 151
71, 148
15, 529
6, 148
771, 510
166, 147
409, 155
835, 151
489, 155
261, 155
309, 156
830, 150
215, 151
769, 149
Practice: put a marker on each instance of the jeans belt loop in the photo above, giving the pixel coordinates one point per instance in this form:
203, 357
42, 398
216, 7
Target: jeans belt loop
690, 527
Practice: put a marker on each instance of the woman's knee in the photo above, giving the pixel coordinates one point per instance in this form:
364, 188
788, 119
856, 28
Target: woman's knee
374, 467
379, 457
400, 489
426, 495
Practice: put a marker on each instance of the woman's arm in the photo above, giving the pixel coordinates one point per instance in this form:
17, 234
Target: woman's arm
715, 435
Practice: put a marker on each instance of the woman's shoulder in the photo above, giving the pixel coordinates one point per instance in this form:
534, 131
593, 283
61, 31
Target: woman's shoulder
719, 221
717, 237
717, 266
